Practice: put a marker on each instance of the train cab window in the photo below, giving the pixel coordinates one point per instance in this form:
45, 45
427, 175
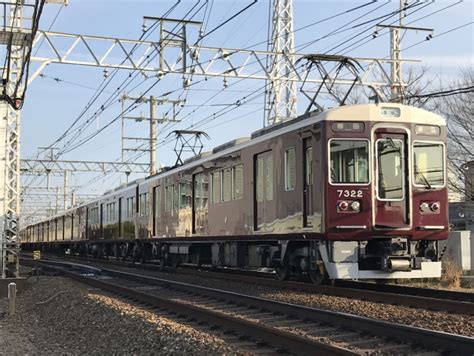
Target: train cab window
215, 186
390, 168
290, 169
428, 164
238, 182
349, 161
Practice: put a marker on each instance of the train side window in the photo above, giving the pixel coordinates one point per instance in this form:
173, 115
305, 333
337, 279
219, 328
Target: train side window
226, 190
290, 169
238, 182
215, 187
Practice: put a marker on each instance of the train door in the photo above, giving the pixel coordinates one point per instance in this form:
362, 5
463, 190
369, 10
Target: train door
263, 189
391, 179
308, 194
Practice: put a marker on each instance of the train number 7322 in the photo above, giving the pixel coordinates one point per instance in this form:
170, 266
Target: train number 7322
346, 193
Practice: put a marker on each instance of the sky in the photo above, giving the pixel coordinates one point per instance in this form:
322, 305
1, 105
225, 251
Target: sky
345, 27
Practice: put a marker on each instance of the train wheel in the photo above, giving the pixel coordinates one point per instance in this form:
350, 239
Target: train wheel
316, 276
282, 273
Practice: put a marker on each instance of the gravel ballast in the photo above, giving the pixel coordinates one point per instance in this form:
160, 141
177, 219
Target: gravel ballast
59, 316
428, 319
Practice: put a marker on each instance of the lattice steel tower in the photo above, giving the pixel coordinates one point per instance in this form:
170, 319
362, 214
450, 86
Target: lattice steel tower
281, 93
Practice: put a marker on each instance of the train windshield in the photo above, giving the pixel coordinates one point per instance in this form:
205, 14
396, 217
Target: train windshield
428, 163
349, 161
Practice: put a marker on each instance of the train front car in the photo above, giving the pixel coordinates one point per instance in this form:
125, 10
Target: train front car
386, 196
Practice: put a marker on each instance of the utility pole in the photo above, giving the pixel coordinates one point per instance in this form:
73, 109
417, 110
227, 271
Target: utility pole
398, 86
154, 121
65, 191
153, 136
281, 94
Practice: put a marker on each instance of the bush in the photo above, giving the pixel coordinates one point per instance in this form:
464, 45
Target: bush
451, 276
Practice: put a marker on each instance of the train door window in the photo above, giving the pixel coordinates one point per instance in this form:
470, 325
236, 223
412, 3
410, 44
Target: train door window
130, 207
309, 165
259, 178
143, 204
176, 197
201, 187
168, 198
200, 204
390, 168
147, 204
290, 169
185, 194
215, 186
269, 178
349, 161
238, 182
158, 201
264, 177
226, 191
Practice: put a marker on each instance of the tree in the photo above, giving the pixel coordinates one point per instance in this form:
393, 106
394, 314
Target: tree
458, 109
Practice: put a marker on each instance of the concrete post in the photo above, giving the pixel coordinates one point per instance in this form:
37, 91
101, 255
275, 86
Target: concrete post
12, 299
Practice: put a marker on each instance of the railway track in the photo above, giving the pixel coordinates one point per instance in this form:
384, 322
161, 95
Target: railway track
286, 327
430, 299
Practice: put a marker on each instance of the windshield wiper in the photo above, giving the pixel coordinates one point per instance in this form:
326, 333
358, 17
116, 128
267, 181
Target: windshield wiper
423, 177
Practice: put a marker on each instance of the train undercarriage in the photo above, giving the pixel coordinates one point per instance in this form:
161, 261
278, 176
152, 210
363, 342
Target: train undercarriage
316, 260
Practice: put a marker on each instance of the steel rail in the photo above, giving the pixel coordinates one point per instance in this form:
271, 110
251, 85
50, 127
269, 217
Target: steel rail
427, 338
433, 299
274, 337
423, 298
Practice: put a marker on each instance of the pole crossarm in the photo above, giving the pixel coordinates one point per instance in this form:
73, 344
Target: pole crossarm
151, 57
31, 166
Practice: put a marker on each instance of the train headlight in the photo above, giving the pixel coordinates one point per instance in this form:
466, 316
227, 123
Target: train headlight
425, 207
343, 205
355, 205
435, 207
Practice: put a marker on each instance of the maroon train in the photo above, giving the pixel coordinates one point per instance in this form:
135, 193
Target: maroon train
355, 192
